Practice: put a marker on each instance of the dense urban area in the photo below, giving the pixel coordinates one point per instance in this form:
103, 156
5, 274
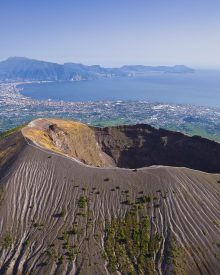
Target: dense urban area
16, 109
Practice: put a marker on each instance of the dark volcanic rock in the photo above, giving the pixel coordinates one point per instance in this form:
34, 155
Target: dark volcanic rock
10, 147
59, 216
142, 145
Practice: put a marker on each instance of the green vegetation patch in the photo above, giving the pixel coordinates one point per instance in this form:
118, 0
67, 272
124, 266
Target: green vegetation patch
193, 129
82, 203
12, 131
68, 253
143, 199
7, 240
129, 246
60, 214
176, 256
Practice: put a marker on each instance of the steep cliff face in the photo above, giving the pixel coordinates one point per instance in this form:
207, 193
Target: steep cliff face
142, 145
70, 138
131, 147
60, 216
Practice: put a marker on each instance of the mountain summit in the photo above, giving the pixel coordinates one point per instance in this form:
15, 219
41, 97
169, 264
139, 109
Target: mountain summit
70, 204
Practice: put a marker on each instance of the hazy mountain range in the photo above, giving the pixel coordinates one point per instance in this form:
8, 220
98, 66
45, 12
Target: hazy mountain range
25, 69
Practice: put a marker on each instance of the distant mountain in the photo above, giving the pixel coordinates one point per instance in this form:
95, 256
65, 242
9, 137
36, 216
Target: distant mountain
24, 69
140, 69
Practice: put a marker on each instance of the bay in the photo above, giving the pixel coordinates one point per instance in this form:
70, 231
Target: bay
199, 88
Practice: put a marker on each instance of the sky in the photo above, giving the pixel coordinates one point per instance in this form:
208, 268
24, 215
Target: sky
112, 32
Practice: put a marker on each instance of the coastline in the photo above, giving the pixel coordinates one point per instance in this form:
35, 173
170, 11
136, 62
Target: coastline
17, 109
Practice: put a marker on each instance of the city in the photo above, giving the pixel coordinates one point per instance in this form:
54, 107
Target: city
17, 109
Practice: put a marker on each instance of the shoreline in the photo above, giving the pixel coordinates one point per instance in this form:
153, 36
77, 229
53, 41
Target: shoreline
141, 89
17, 109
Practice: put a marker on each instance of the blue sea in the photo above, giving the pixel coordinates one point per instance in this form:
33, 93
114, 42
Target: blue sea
199, 88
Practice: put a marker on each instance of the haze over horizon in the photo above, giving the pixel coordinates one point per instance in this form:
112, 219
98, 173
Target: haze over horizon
112, 33
21, 58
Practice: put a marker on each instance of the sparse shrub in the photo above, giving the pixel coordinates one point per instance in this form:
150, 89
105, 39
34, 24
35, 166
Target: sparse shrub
82, 202
62, 213
65, 236
73, 231
70, 256
127, 202
143, 199
7, 240
52, 254
26, 243
59, 260
215, 223
37, 225
96, 236
59, 215
104, 256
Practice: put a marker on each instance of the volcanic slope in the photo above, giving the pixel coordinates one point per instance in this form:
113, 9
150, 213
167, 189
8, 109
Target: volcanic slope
60, 216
